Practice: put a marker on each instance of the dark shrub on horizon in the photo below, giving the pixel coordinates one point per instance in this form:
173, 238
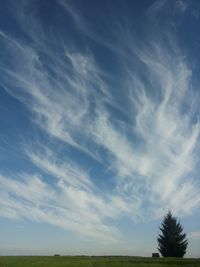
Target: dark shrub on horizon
172, 242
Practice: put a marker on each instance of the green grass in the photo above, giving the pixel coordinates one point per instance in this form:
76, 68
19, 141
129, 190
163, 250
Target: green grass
42, 261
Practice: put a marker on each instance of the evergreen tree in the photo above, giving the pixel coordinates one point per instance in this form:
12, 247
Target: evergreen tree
172, 241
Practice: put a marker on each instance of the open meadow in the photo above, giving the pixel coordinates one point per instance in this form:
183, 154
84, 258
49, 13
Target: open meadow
66, 261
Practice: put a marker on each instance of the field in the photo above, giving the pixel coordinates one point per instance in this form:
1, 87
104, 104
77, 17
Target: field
62, 261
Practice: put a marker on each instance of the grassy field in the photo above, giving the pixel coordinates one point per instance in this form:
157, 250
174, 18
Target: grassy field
42, 261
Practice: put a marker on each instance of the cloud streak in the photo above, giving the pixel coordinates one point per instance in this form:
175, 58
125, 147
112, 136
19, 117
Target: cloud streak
194, 235
33, 199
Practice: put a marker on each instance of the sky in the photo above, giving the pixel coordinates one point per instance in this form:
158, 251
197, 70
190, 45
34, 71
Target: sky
99, 125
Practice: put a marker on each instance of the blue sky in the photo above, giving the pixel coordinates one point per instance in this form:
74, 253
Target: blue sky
99, 133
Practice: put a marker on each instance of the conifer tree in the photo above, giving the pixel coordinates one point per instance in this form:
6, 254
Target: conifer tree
172, 242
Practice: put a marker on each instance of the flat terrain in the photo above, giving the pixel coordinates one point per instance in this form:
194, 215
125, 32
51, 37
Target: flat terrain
62, 261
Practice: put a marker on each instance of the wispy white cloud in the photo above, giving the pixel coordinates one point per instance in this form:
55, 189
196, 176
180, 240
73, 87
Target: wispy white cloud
156, 6
31, 198
194, 235
59, 112
67, 171
160, 6
182, 5
149, 145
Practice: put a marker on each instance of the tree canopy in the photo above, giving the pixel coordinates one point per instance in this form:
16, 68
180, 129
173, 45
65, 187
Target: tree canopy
172, 242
